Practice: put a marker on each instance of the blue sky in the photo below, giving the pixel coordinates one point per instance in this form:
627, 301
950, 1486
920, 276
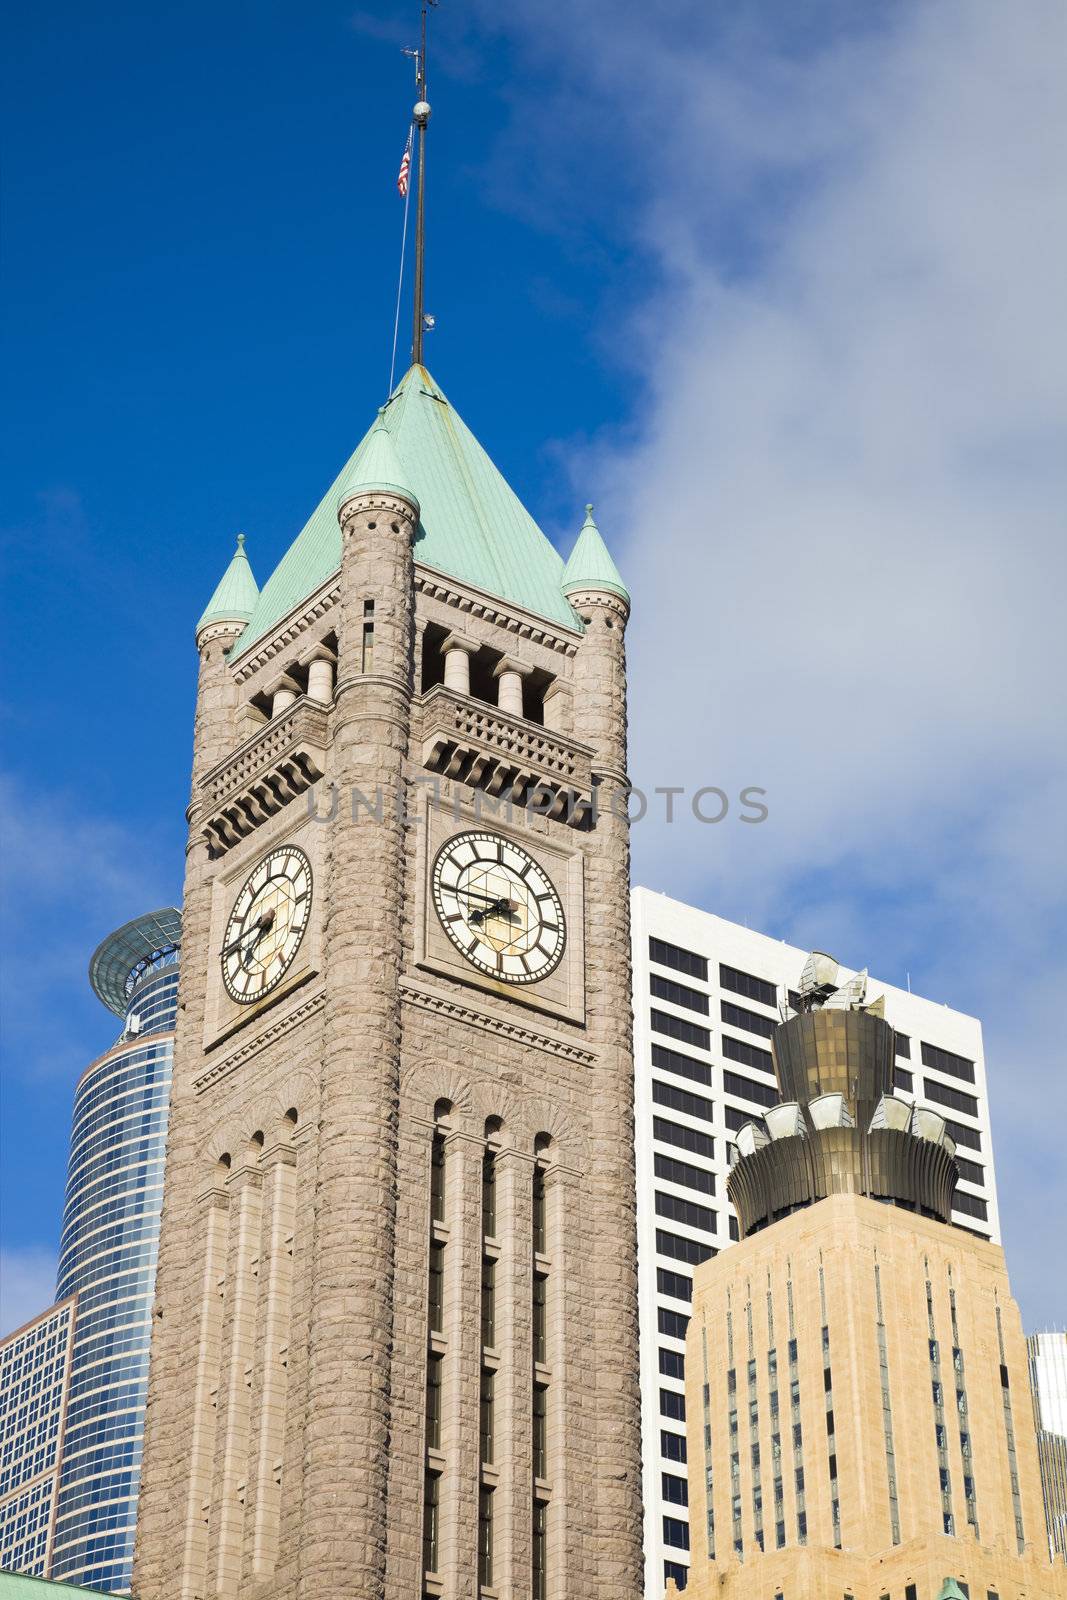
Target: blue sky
779, 288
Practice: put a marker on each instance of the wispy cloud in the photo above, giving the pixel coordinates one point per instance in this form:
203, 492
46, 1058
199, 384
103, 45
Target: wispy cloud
69, 877
840, 502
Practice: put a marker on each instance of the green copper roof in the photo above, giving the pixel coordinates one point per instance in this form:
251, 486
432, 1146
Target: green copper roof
235, 598
590, 565
17, 1586
376, 466
472, 525
950, 1590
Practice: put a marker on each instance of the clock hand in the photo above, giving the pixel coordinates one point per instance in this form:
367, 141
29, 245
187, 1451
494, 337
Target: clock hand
259, 928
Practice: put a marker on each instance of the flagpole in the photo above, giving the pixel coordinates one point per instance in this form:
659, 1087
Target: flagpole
400, 280
421, 117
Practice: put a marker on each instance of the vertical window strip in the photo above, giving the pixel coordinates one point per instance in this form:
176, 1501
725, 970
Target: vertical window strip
708, 1472
1009, 1431
540, 1550
831, 1434
887, 1412
794, 1418
937, 1393
734, 1436
754, 1448
434, 1360
367, 662
776, 1444
963, 1416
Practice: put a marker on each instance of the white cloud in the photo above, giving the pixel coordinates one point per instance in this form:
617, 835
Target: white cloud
27, 1285
841, 503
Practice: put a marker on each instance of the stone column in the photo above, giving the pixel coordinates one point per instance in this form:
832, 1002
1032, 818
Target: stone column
509, 674
229, 1490
283, 691
270, 1389
514, 1187
215, 1203
463, 1366
600, 721
166, 1515
458, 649
408, 1452
564, 1319
320, 664
346, 1424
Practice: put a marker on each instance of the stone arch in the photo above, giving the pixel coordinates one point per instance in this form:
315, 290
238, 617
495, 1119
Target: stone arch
427, 1082
567, 1142
297, 1092
228, 1138
494, 1100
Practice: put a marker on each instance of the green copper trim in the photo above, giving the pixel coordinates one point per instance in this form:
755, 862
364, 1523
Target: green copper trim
590, 565
235, 597
376, 468
950, 1590
19, 1586
472, 525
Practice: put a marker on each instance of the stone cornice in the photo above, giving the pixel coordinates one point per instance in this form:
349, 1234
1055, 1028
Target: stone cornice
267, 1036
444, 1005
505, 614
298, 621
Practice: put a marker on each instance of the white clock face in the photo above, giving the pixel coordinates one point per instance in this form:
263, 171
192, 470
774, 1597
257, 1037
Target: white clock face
499, 908
267, 923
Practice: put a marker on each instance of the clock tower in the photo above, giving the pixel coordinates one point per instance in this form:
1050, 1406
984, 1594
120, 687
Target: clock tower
394, 1351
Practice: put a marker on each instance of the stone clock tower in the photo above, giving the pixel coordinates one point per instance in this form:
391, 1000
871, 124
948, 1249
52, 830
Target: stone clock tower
395, 1341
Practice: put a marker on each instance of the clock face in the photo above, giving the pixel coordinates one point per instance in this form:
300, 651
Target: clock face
267, 923
499, 908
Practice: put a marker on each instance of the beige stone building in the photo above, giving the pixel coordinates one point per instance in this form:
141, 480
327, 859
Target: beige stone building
858, 1411
395, 1341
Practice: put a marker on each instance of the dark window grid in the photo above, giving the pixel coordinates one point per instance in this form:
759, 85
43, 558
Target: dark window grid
678, 959
760, 1094
678, 994
751, 1021
747, 984
674, 1284
679, 1028
682, 1066
690, 1105
676, 1209
948, 1062
684, 1173
676, 1248
955, 1099
694, 1140
748, 1055
902, 1045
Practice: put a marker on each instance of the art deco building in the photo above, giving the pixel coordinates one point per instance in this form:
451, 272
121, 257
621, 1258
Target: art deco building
857, 1398
1048, 1379
395, 1341
707, 997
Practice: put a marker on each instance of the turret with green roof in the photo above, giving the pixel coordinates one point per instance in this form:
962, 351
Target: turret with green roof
237, 592
590, 565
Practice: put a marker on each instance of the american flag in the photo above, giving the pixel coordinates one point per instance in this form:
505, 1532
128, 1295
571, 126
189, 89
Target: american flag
405, 170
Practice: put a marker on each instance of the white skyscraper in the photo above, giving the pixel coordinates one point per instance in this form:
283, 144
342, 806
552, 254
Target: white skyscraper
1048, 1379
706, 998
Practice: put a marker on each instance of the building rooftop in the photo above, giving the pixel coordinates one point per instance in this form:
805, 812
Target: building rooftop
18, 1586
472, 525
235, 596
118, 961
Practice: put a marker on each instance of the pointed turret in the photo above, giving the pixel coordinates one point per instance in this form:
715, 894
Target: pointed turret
376, 468
235, 597
590, 565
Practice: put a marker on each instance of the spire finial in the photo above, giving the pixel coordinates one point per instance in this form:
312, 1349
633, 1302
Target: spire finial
421, 116
241, 542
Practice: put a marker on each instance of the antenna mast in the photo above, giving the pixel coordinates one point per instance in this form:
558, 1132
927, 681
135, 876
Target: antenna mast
421, 116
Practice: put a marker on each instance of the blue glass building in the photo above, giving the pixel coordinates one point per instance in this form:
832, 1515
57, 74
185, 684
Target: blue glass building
108, 1252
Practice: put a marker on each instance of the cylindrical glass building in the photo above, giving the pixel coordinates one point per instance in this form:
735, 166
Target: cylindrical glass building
108, 1251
